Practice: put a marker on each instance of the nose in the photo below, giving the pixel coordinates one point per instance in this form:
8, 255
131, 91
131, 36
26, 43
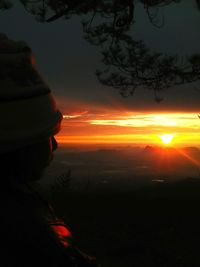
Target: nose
54, 143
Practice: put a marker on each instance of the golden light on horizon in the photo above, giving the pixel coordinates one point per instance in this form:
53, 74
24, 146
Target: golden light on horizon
145, 128
166, 138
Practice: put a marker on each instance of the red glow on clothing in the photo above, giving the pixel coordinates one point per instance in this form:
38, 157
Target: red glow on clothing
61, 230
62, 234
33, 61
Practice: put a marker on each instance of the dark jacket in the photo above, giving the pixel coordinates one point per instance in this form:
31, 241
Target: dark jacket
31, 234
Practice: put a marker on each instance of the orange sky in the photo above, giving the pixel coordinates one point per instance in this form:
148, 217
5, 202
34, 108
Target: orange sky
107, 126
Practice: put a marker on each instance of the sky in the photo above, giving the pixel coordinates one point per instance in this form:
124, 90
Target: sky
94, 113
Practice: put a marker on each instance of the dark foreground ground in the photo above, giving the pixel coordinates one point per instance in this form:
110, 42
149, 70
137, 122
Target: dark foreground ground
157, 225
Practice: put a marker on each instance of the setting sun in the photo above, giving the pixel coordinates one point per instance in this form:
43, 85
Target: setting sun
105, 126
166, 138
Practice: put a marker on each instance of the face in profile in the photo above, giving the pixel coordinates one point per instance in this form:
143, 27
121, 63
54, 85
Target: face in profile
39, 156
29, 162
45, 152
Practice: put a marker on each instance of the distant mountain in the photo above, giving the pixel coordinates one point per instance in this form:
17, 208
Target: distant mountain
158, 149
192, 149
152, 149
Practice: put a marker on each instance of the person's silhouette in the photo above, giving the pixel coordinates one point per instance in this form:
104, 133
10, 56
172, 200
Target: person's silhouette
31, 234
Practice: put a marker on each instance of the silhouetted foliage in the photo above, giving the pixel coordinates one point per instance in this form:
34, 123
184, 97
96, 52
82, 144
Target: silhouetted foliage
130, 65
122, 11
4, 4
109, 24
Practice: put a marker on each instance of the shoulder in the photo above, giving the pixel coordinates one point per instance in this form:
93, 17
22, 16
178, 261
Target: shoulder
29, 230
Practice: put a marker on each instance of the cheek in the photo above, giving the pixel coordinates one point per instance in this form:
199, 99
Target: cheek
44, 155
50, 151
54, 143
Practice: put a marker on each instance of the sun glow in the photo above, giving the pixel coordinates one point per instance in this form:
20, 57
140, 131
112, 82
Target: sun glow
166, 138
114, 127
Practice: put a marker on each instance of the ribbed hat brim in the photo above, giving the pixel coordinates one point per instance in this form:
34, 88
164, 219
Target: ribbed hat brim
28, 111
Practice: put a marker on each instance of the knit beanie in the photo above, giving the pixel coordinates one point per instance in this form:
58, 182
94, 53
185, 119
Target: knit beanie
28, 110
